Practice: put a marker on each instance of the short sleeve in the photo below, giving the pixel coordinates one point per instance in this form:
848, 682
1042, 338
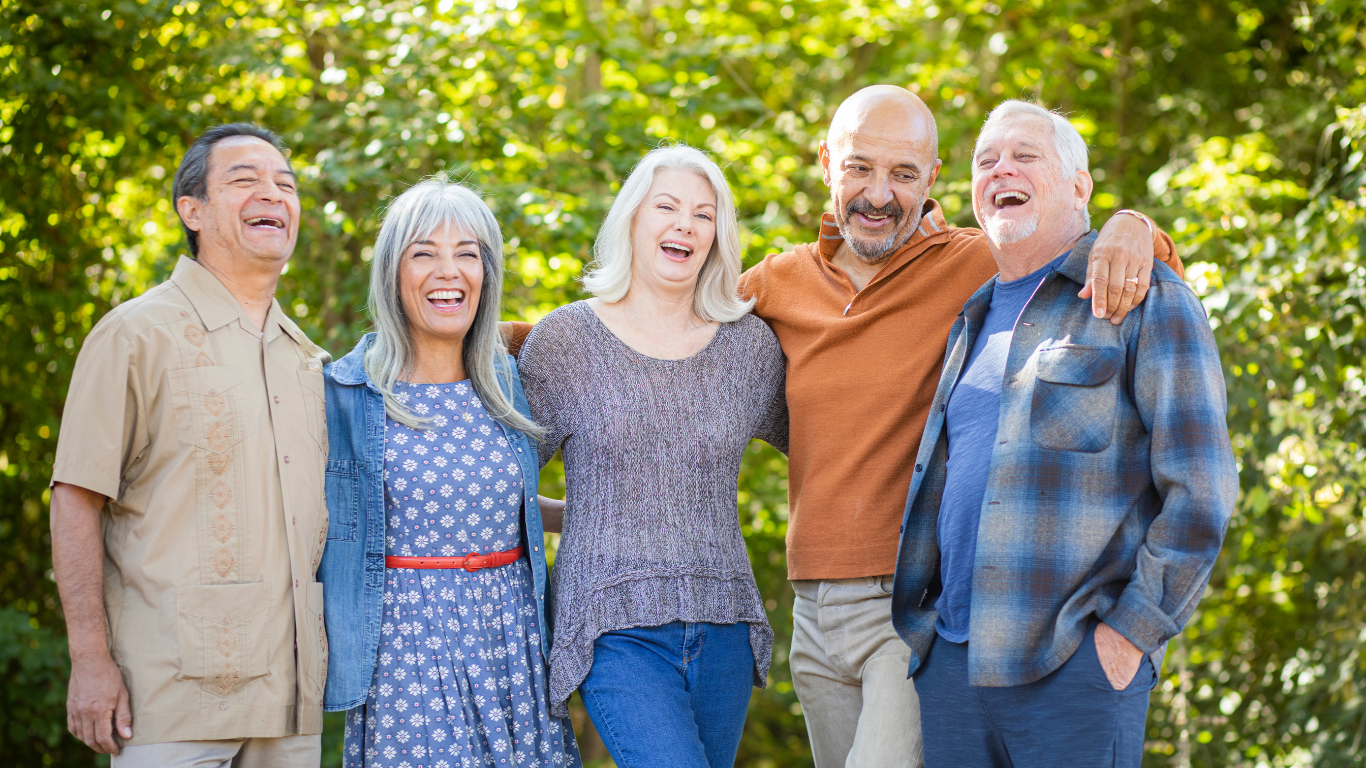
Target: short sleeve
99, 434
536, 362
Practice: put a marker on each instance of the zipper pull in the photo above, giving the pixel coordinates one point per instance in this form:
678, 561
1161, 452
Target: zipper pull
846, 309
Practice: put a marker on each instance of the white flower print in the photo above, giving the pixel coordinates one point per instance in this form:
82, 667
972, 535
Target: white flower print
439, 421
446, 491
486, 533
421, 409
420, 450
500, 486
448, 448
477, 445
390, 454
399, 483
440, 461
499, 516
467, 460
409, 465
486, 502
447, 521
400, 439
486, 472
496, 457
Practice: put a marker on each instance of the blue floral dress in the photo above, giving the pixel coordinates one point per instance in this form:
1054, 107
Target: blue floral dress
461, 681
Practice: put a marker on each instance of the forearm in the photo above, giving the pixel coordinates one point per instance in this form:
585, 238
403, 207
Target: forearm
78, 564
552, 514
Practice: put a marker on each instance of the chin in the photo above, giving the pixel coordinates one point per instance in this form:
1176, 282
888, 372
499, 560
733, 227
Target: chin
1007, 232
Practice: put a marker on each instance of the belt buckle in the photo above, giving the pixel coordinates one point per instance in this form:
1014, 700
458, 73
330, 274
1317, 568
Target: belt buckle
466, 562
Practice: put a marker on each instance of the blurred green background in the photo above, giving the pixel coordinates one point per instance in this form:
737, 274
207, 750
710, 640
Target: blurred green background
1237, 123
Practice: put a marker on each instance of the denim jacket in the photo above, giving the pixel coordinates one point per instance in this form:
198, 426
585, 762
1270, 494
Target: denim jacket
1111, 482
352, 568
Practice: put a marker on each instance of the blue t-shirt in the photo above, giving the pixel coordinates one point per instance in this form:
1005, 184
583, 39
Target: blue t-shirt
970, 421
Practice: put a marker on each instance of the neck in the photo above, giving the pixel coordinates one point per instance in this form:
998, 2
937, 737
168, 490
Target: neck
1021, 259
859, 270
661, 307
251, 281
437, 360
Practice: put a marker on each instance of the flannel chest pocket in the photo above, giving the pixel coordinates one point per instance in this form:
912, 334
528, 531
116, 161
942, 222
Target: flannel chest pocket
223, 634
1074, 398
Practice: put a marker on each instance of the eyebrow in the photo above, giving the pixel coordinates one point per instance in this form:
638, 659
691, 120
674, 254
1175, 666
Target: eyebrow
680, 202
902, 164
250, 167
433, 244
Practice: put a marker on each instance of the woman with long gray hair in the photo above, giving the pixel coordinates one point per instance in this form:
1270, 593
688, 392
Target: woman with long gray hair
434, 568
653, 389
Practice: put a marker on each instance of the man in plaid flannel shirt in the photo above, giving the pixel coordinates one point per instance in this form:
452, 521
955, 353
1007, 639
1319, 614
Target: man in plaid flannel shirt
1072, 488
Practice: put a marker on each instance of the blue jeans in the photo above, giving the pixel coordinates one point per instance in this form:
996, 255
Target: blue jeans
672, 696
1071, 717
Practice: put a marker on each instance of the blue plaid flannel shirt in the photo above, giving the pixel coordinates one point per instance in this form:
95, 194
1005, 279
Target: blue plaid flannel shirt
1112, 480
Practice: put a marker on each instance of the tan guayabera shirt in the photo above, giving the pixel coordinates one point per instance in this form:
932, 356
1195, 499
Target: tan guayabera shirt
208, 437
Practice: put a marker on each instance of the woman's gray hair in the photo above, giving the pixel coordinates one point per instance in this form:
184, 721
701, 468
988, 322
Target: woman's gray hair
1067, 142
716, 297
415, 215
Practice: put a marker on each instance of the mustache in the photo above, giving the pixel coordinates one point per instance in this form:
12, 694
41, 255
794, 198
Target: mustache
892, 209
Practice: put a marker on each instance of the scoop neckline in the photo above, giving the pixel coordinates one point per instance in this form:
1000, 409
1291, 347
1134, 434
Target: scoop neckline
602, 328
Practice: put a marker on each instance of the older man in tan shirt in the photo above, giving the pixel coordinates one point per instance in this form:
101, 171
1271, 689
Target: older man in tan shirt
187, 502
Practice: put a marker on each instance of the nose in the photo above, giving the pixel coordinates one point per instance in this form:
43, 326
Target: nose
1004, 167
683, 223
879, 190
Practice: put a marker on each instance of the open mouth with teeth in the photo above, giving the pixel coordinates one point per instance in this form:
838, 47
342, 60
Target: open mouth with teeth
675, 251
265, 222
446, 300
1009, 199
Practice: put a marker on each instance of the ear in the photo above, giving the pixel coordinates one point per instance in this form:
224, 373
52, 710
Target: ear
824, 150
934, 174
1082, 186
191, 209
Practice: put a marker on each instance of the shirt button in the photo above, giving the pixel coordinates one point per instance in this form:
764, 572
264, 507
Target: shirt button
294, 520
535, 549
286, 459
519, 450
919, 467
183, 313
227, 621
296, 583
223, 706
277, 398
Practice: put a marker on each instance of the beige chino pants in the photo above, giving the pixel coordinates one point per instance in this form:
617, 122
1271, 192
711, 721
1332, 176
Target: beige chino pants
849, 670
283, 752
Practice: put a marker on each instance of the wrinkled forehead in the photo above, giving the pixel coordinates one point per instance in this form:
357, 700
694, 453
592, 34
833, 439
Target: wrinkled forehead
246, 152
1020, 131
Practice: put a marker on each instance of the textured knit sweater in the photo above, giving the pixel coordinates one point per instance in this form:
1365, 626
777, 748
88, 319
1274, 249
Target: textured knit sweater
652, 452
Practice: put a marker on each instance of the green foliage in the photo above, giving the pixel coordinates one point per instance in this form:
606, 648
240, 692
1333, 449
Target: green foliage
1237, 123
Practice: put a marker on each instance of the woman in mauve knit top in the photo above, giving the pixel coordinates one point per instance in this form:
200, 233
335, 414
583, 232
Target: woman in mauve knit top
652, 390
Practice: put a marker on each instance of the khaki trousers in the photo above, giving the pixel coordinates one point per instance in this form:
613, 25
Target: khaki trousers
284, 752
849, 669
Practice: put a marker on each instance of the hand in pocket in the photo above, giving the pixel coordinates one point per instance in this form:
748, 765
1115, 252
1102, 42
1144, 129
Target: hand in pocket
1118, 657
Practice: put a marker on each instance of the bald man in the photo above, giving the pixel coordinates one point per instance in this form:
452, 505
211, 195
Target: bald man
863, 315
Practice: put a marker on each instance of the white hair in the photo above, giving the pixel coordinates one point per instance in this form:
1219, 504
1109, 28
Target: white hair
716, 297
418, 213
1067, 142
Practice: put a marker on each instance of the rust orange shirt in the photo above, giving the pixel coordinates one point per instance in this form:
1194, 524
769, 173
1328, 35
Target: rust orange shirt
862, 367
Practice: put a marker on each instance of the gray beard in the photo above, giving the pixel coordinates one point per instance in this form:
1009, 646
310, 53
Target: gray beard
878, 251
1006, 233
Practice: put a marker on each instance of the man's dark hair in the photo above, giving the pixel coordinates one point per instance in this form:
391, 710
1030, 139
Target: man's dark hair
192, 177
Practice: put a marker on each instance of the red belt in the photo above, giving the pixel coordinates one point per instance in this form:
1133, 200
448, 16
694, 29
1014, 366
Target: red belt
471, 562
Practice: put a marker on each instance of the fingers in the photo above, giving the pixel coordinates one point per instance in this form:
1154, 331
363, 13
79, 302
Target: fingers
1114, 287
1098, 283
1130, 291
123, 717
1135, 289
104, 730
